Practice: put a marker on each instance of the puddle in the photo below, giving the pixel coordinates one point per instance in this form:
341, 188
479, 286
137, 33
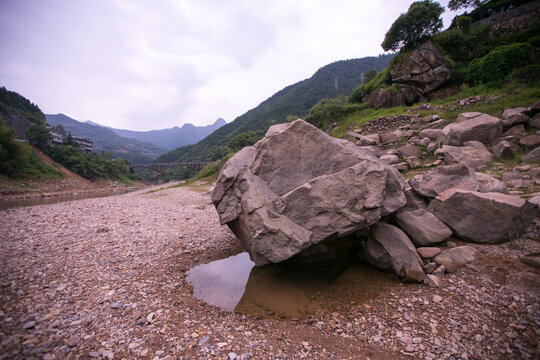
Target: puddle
222, 282
277, 291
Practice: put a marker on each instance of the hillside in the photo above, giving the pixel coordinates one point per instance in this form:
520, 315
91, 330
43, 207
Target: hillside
18, 112
294, 100
108, 141
174, 137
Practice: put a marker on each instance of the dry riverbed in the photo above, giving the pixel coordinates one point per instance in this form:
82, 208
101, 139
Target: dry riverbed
105, 278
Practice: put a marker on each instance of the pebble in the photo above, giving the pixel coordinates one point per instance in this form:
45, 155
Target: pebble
437, 299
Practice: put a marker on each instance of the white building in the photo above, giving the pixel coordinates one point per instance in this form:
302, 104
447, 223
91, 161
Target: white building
85, 145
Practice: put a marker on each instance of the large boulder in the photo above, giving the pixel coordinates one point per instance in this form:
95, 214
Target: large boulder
443, 178
472, 126
383, 98
420, 73
297, 187
486, 218
473, 156
389, 248
423, 228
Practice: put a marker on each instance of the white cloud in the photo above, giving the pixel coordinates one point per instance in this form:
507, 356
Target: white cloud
147, 65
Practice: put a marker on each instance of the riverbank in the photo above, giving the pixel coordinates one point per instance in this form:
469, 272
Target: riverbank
106, 278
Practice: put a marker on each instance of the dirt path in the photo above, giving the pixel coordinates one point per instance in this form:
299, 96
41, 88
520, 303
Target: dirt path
105, 278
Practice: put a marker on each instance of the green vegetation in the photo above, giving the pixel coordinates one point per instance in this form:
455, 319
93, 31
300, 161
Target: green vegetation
10, 101
17, 160
498, 64
90, 165
244, 139
422, 20
38, 135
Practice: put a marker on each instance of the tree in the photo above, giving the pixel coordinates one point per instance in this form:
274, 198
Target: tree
423, 19
459, 4
38, 135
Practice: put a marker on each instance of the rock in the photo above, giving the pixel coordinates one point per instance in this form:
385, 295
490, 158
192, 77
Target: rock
432, 134
530, 142
511, 117
489, 183
471, 156
432, 280
534, 108
535, 122
389, 248
533, 155
531, 260
437, 299
481, 127
504, 150
29, 325
414, 201
73, 340
432, 146
413, 162
297, 187
423, 227
440, 271
402, 166
517, 130
428, 252
391, 137
485, 218
420, 72
429, 267
536, 200
371, 139
390, 159
383, 98
454, 258
409, 150
439, 124
232, 356
444, 177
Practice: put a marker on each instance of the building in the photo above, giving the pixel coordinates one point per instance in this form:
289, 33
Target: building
85, 145
56, 136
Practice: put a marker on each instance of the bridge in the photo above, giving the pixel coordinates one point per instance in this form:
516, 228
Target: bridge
160, 167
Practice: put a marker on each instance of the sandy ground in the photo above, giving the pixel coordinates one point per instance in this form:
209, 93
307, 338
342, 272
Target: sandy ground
105, 278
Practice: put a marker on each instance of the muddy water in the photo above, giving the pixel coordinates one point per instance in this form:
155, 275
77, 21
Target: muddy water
7, 204
279, 292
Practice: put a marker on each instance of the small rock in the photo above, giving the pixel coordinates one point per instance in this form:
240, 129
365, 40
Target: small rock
432, 280
428, 252
73, 340
440, 271
203, 340
429, 267
93, 354
29, 325
116, 305
232, 356
437, 299
151, 317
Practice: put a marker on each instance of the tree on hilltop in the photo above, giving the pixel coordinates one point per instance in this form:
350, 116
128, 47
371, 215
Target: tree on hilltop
421, 20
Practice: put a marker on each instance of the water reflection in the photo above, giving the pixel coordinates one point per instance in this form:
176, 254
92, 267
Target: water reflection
7, 204
278, 291
222, 282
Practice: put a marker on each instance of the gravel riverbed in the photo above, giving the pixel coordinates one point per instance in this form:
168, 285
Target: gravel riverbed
105, 278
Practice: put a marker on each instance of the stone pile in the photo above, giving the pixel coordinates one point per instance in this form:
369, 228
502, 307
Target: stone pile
300, 194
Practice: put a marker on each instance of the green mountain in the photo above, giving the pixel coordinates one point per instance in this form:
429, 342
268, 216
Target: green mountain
108, 141
338, 78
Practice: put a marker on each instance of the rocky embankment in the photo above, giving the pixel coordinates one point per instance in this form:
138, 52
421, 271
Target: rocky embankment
105, 279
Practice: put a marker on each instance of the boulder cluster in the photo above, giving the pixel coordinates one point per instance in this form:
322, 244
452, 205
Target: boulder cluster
299, 193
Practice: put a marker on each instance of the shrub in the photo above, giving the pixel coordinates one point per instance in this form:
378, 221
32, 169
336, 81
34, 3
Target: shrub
497, 65
464, 23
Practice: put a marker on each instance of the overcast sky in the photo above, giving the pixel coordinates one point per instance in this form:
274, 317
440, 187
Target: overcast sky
145, 65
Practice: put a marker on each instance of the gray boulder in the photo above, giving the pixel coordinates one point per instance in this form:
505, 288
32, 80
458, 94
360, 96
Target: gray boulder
388, 248
517, 130
485, 218
472, 156
530, 142
443, 178
511, 117
489, 183
476, 126
423, 228
504, 150
297, 187
533, 155
454, 258
409, 150
390, 159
